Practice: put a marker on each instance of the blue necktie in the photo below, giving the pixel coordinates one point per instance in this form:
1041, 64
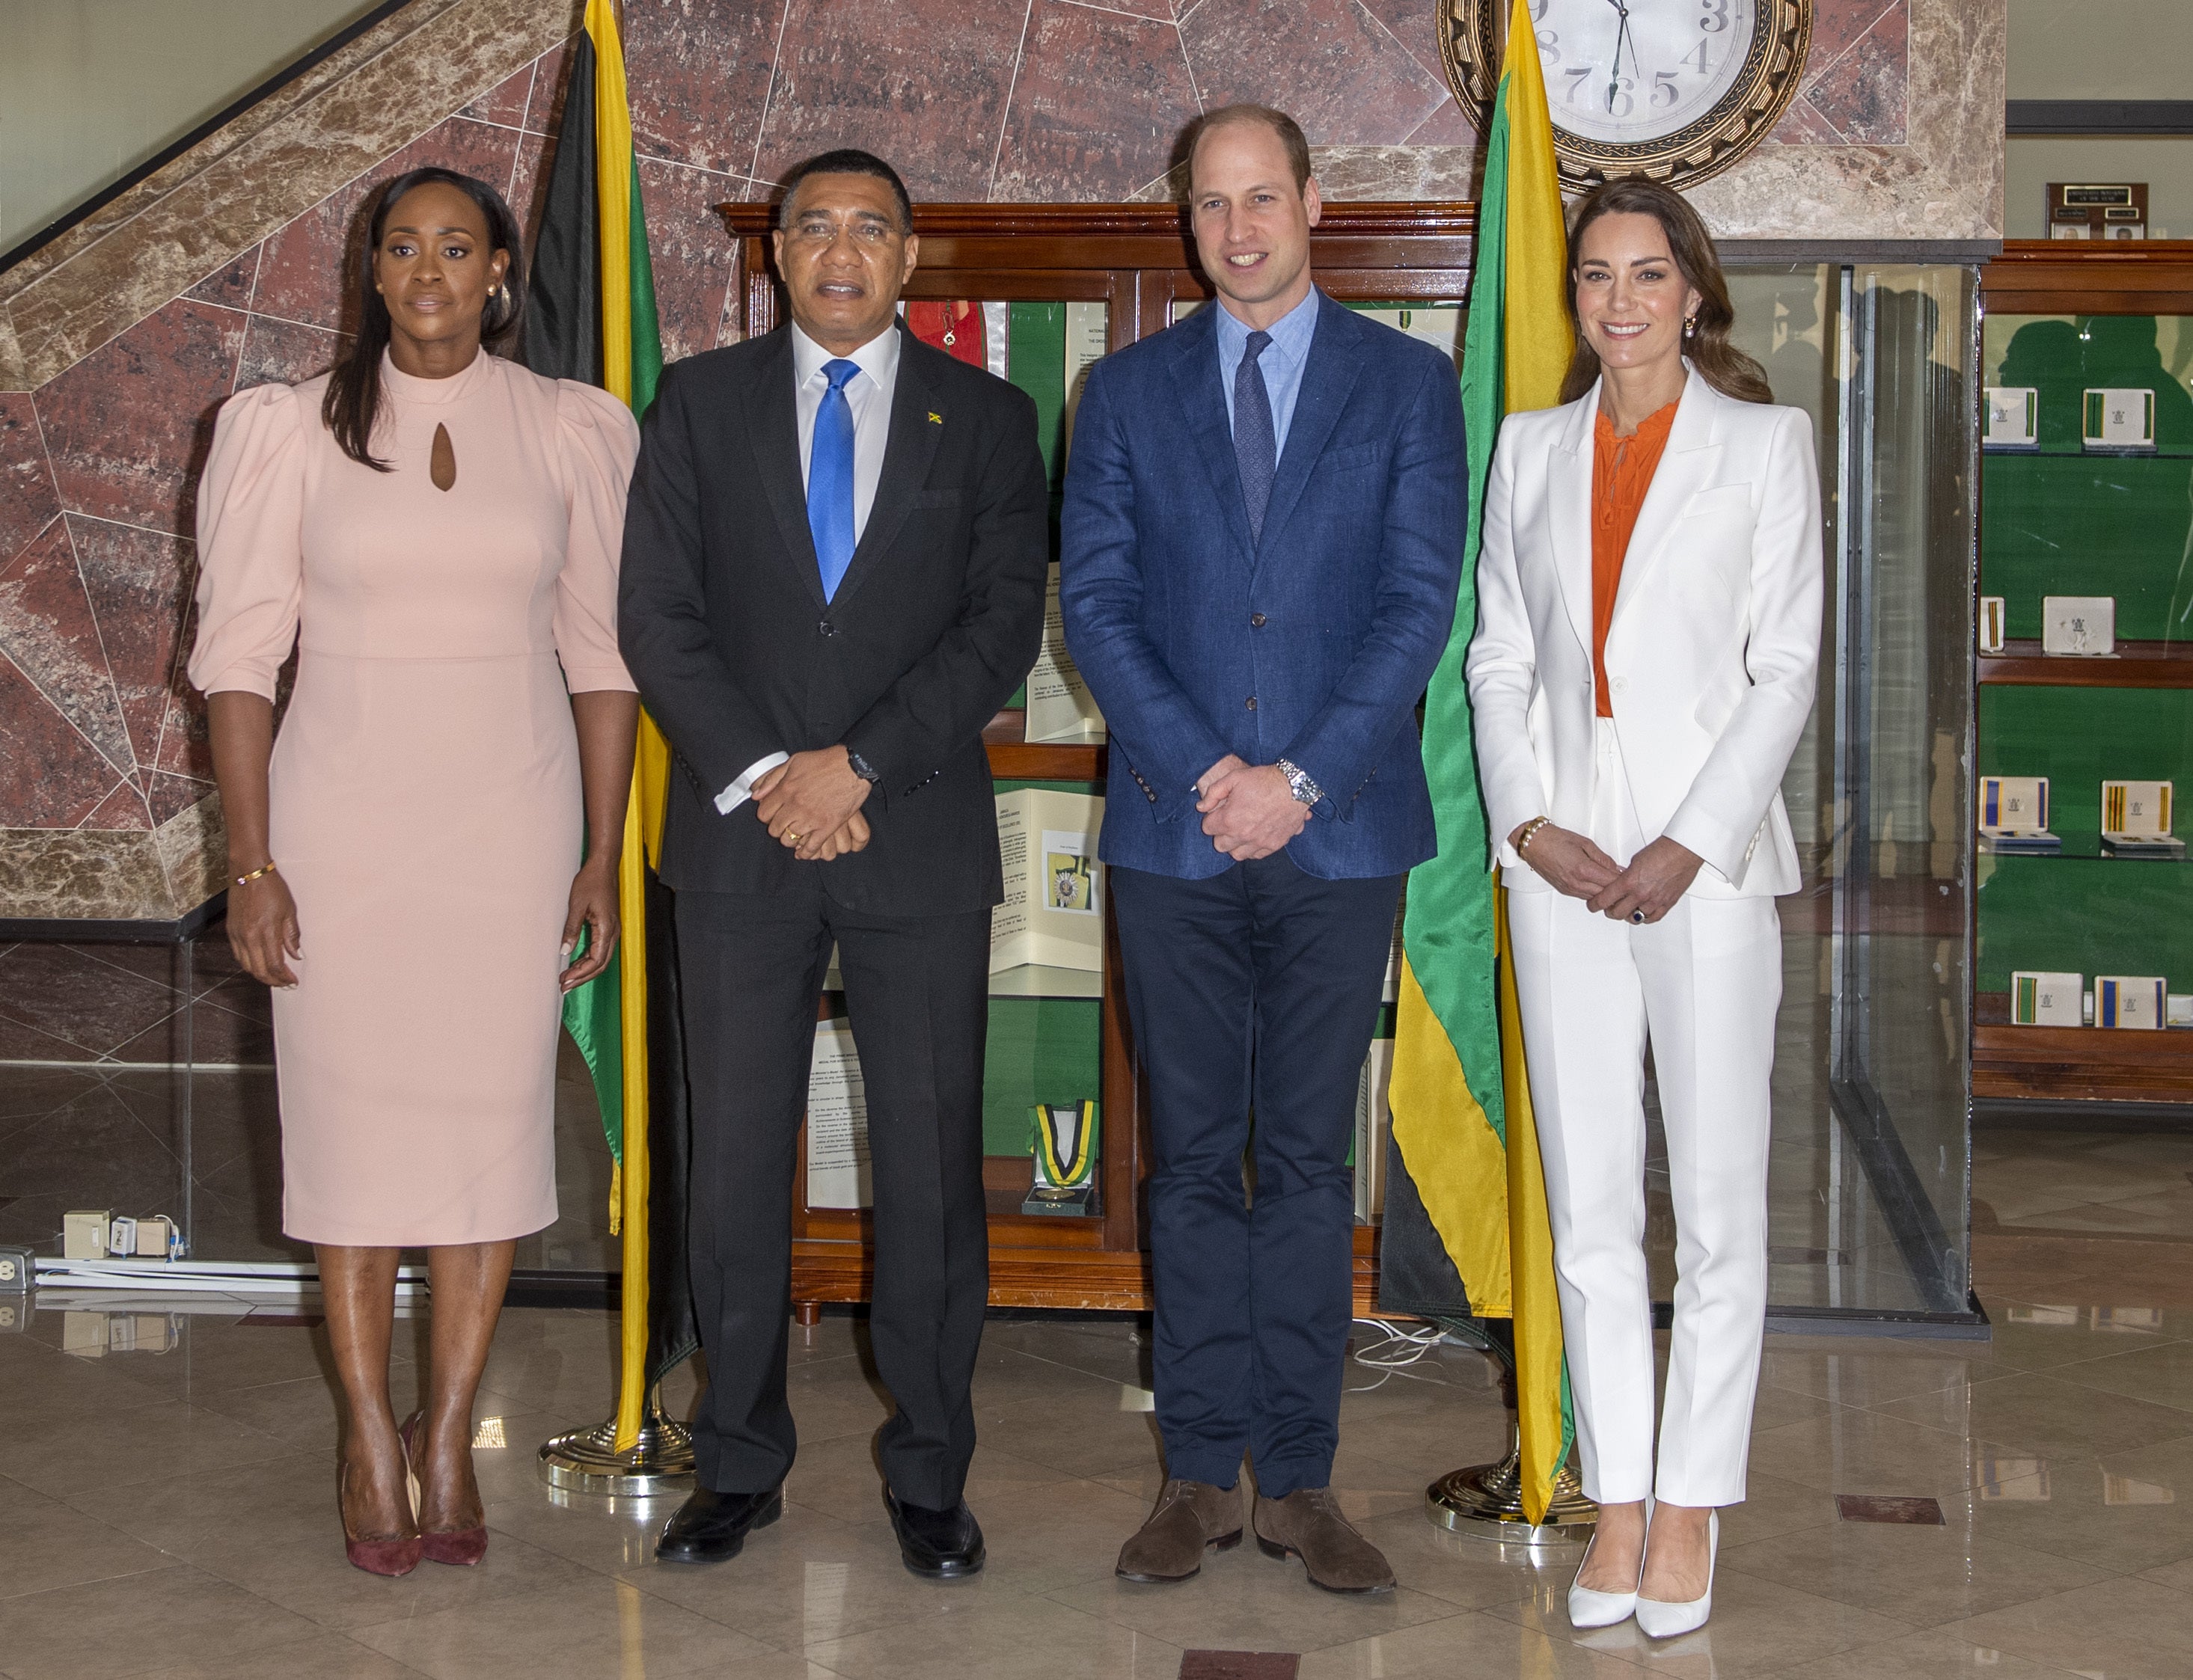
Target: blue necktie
1255, 450
830, 478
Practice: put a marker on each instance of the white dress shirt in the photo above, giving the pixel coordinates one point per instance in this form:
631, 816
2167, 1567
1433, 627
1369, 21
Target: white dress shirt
868, 394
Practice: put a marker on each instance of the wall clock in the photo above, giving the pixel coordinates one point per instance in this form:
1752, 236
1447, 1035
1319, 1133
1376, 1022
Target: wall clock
1677, 90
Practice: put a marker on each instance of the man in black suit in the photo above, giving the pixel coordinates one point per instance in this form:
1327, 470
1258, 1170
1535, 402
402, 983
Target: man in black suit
834, 564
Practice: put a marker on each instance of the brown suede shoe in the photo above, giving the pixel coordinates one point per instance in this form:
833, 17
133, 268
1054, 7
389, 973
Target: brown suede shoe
1308, 1524
1190, 1516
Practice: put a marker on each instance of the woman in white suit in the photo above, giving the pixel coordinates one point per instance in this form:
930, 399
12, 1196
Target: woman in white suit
1648, 626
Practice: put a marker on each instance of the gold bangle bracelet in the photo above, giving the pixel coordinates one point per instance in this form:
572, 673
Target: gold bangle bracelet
267, 868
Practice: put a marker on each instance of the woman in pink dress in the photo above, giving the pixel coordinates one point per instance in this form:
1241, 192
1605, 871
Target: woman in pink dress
436, 531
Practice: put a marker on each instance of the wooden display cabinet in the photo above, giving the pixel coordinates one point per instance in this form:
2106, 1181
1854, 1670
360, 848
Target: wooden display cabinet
1138, 261
2098, 544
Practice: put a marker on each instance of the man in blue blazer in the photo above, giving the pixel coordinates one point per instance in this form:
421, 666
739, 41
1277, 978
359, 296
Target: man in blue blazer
1262, 537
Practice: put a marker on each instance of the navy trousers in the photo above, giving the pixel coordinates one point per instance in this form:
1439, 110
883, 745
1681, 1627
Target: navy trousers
1252, 993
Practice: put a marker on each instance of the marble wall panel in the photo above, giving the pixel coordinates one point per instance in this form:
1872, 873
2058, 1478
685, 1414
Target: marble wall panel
1329, 64
124, 808
28, 500
230, 285
1446, 126
1097, 108
1837, 25
74, 996
690, 253
97, 874
700, 96
306, 273
504, 103
139, 582
1864, 95
286, 352
51, 774
551, 79
193, 850
168, 796
49, 632
923, 82
127, 427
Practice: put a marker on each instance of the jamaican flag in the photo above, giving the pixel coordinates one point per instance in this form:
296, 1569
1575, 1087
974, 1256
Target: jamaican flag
590, 315
1466, 1229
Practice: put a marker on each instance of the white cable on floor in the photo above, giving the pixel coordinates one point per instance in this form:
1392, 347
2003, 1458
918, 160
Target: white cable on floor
1394, 1352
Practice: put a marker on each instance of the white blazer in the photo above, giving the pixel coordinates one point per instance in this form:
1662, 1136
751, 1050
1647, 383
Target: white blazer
1711, 655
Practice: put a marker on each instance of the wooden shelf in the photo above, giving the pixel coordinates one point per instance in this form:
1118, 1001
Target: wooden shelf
2077, 1063
2079, 276
2135, 665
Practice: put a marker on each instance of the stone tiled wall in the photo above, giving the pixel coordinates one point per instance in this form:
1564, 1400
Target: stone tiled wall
118, 344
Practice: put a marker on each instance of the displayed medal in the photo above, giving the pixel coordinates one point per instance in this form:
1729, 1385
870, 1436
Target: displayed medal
1063, 1138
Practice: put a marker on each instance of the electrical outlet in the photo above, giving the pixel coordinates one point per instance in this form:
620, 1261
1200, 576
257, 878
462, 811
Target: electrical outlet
18, 1266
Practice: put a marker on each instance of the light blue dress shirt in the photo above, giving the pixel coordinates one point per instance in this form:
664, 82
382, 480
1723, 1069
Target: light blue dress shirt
1282, 361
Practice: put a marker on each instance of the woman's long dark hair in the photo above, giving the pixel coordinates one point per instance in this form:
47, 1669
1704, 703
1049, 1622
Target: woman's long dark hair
352, 404
1720, 363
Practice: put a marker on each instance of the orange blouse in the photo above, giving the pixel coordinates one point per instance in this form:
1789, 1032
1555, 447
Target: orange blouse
1622, 469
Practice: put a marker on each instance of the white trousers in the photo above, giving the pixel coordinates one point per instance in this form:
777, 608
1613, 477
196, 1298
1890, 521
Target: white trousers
1703, 984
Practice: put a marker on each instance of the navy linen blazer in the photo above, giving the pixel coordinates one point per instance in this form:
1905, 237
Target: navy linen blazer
1313, 645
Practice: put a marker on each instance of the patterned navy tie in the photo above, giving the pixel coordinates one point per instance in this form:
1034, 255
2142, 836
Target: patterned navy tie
1255, 450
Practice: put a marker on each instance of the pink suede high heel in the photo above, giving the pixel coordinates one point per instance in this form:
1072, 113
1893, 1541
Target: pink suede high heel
460, 1547
389, 1557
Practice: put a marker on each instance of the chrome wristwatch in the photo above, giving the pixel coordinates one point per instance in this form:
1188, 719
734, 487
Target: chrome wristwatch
1299, 784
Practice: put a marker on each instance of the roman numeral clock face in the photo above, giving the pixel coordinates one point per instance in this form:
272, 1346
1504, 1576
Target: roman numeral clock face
1677, 90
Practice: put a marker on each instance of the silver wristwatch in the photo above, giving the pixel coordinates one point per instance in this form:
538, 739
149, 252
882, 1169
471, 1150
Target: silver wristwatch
1299, 784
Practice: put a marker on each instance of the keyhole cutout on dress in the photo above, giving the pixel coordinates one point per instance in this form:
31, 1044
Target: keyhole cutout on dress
443, 468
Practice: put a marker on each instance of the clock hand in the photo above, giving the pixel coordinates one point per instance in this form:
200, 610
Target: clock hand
1621, 34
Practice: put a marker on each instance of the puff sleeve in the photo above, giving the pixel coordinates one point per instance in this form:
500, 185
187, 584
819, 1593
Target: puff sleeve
599, 442
251, 566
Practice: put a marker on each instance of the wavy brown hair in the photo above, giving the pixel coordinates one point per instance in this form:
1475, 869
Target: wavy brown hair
1720, 363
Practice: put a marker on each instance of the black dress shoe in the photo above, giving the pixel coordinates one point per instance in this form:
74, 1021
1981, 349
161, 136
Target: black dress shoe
711, 1526
944, 1545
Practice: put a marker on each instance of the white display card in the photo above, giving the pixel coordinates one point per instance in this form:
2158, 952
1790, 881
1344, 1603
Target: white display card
2079, 624
2013, 804
1991, 637
1374, 1119
838, 1175
1060, 707
1053, 911
2118, 418
1086, 330
2040, 999
2129, 1000
2136, 810
2013, 417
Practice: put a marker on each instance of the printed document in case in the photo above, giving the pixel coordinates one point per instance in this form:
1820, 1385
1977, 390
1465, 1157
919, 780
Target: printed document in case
1060, 707
837, 1171
1053, 912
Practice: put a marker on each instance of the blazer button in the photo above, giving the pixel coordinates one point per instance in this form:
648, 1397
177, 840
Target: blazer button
1256, 620
827, 628
1252, 702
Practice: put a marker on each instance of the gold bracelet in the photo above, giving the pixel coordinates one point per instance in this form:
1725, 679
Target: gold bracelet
1530, 833
267, 868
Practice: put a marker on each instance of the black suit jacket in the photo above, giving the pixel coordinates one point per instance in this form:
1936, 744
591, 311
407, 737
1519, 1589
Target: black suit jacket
937, 620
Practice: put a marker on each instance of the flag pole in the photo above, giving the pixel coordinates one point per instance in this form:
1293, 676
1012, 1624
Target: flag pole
640, 1450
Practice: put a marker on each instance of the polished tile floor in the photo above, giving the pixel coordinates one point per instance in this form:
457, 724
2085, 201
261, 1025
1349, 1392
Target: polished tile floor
167, 1508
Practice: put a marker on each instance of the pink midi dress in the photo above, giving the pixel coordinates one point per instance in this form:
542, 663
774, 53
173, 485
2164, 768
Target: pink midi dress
426, 810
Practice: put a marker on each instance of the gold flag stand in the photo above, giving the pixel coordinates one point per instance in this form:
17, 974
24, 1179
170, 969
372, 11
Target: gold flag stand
587, 1461
1486, 1500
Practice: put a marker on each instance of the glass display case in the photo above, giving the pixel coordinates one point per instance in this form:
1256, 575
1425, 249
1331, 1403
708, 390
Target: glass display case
2085, 902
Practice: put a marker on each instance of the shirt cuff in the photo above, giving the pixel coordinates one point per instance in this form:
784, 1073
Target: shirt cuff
741, 791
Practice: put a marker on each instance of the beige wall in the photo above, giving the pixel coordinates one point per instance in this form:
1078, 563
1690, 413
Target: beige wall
2100, 49
90, 88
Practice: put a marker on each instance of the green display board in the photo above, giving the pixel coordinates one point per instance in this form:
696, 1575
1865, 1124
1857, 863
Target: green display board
2064, 521
2082, 912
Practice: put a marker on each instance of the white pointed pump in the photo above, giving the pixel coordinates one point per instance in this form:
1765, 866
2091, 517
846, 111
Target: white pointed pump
1664, 1620
1590, 1608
